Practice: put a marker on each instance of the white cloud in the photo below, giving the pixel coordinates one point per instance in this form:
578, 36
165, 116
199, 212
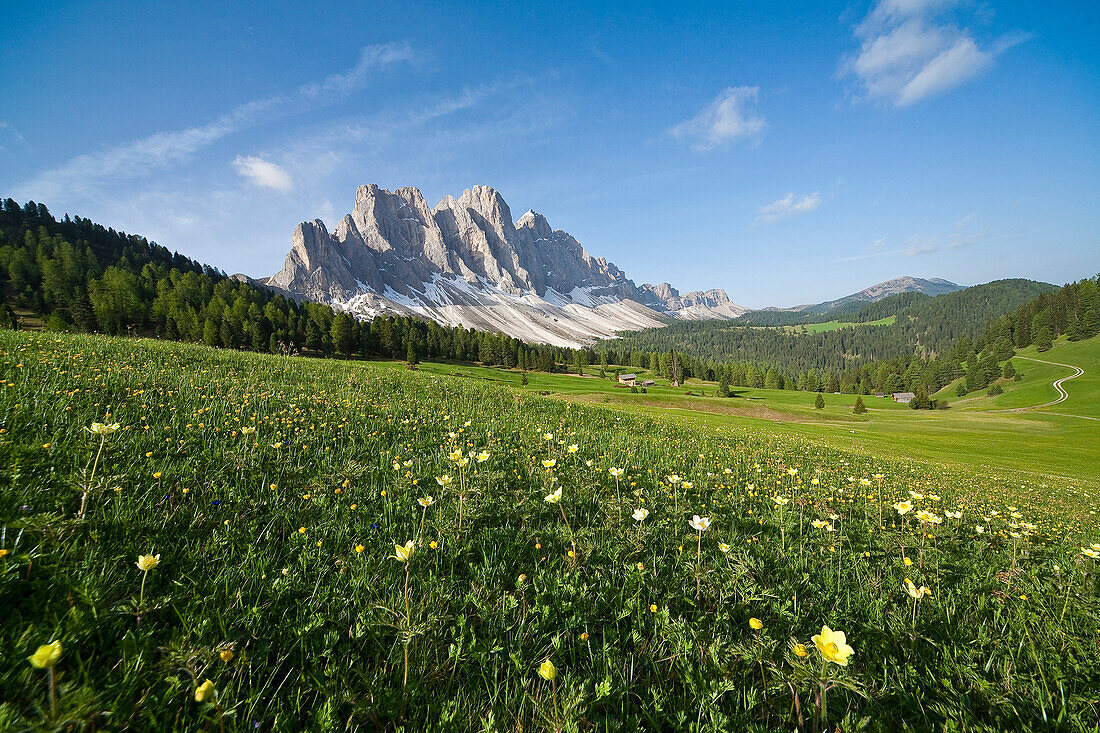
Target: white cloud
263, 173
86, 173
909, 51
724, 121
789, 205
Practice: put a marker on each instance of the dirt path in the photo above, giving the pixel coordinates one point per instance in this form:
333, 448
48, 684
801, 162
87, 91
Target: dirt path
1057, 384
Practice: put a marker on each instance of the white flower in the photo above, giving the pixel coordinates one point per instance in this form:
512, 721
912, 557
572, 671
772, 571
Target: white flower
640, 514
553, 498
701, 524
780, 500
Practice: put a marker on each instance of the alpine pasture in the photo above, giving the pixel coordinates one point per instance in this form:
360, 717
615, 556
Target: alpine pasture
195, 539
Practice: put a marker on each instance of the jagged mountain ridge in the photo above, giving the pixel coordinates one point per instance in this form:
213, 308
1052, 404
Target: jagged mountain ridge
466, 262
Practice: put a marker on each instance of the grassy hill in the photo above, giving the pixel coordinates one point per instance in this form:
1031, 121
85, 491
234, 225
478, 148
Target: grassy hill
273, 490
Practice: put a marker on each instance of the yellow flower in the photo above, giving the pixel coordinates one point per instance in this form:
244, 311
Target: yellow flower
46, 656
148, 562
1089, 552
572, 448
616, 472
639, 515
426, 501
701, 524
482, 457
455, 455
226, 655
833, 646
820, 523
907, 561
673, 479
359, 549
915, 592
402, 553
903, 507
926, 516
584, 636
4, 552
433, 544
547, 436
549, 463
553, 498
462, 462
547, 670
205, 691
157, 474
723, 547
653, 608
687, 484
800, 650
103, 430
756, 623
444, 480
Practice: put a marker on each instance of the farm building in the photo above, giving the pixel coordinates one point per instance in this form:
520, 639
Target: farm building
903, 397
629, 379
648, 383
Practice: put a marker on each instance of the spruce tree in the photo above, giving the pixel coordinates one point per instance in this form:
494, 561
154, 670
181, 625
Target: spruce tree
819, 403
859, 408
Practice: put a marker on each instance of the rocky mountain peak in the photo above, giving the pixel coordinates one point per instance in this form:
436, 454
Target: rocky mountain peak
465, 260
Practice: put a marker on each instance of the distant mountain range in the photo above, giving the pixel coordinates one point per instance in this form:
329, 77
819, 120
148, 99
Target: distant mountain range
465, 262
933, 287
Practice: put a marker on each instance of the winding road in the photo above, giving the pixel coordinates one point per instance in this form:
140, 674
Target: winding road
1057, 384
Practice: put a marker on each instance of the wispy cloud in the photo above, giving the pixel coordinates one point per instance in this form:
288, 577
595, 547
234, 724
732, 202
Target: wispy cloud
162, 150
789, 205
920, 244
911, 50
726, 120
6, 130
263, 173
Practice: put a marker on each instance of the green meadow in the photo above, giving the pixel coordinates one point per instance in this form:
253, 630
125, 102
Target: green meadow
197, 539
1057, 443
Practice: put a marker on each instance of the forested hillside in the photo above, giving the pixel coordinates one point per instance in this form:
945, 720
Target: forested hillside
923, 325
76, 275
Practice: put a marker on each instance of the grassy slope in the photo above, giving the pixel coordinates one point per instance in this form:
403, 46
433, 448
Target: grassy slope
836, 325
259, 534
1045, 442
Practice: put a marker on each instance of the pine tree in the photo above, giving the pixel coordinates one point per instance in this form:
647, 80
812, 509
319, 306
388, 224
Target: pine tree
859, 408
819, 403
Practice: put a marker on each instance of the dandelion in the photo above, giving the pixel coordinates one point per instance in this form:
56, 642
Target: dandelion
833, 646
639, 515
205, 691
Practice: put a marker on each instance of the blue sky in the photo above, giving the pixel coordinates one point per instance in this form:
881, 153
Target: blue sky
787, 152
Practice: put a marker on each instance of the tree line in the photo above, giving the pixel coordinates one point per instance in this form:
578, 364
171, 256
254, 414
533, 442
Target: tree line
77, 275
